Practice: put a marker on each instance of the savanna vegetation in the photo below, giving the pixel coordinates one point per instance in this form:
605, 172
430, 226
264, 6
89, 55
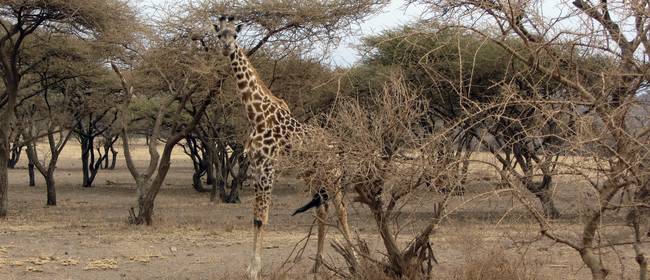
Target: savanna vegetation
491, 139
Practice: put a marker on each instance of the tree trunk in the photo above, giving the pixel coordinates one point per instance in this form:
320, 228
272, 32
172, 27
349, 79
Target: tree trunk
210, 180
11, 84
105, 163
85, 155
32, 177
395, 258
196, 149
218, 181
598, 272
221, 170
114, 159
16, 151
218, 187
146, 211
238, 180
233, 196
197, 183
51, 192
146, 204
544, 193
146, 199
140, 218
545, 197
4, 176
226, 165
209, 170
90, 165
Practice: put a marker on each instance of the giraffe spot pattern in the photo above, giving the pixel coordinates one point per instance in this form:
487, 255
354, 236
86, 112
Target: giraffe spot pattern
272, 126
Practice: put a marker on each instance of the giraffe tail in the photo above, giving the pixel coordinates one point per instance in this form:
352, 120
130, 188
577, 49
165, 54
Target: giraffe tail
319, 198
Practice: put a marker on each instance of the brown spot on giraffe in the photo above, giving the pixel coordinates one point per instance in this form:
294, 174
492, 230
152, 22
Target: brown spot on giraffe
268, 142
246, 96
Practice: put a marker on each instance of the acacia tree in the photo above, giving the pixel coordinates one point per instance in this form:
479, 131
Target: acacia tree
93, 122
176, 73
50, 114
19, 19
600, 99
456, 71
56, 122
158, 165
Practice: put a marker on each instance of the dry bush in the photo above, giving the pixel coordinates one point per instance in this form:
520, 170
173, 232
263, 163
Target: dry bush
598, 59
360, 147
495, 265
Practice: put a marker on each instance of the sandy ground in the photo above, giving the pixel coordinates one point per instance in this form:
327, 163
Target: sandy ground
87, 237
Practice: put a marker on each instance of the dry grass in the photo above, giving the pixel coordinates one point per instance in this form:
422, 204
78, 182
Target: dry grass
496, 265
213, 241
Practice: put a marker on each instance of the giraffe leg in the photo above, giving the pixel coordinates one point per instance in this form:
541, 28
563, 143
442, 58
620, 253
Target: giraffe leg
342, 214
260, 220
263, 188
321, 216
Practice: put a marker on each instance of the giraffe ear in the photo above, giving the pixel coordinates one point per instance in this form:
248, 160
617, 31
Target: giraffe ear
238, 28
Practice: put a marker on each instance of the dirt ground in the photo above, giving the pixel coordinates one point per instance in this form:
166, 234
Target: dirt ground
87, 237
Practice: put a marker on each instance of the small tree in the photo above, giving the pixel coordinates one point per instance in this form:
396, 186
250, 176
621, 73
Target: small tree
166, 63
57, 128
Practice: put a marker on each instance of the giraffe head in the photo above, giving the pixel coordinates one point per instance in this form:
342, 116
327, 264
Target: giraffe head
227, 33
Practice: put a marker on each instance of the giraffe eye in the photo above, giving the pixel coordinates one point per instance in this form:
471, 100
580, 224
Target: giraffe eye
219, 36
235, 36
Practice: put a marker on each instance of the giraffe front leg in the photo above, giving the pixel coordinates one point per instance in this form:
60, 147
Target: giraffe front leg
263, 188
321, 216
260, 220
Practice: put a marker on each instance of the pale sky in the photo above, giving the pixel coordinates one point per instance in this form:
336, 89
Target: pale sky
394, 15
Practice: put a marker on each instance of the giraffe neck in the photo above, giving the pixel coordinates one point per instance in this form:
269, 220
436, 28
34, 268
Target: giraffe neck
248, 82
252, 89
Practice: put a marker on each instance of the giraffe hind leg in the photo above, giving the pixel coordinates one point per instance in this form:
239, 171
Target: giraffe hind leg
342, 214
321, 217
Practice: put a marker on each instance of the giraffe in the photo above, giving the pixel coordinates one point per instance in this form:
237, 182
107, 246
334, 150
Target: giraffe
272, 126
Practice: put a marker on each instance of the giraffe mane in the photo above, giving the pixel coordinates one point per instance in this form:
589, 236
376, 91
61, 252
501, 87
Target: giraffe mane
268, 92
